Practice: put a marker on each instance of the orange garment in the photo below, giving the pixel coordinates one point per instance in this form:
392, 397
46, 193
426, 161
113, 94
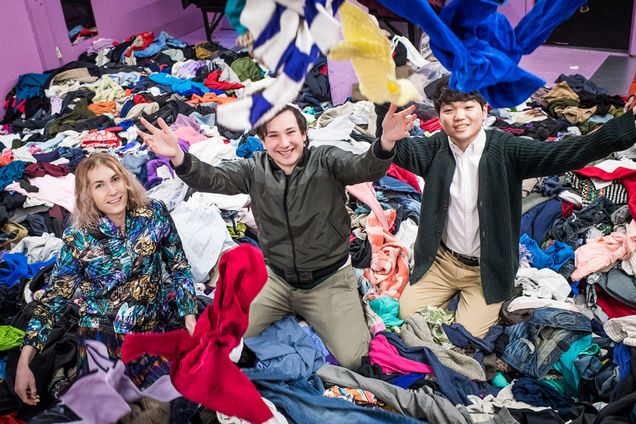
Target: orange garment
100, 108
389, 270
6, 158
632, 87
210, 97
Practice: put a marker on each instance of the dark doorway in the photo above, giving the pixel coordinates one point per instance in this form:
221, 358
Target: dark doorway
80, 20
600, 24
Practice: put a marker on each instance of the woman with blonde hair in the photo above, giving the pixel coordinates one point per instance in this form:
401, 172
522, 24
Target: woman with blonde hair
113, 255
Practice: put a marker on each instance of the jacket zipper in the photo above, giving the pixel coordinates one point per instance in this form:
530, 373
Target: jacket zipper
289, 230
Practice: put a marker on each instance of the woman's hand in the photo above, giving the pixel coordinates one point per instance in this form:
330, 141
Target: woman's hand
24, 378
190, 323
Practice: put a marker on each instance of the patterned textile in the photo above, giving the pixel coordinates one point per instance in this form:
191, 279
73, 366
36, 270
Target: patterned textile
119, 277
357, 396
615, 192
389, 271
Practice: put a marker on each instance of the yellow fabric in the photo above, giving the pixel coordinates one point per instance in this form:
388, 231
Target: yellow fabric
370, 53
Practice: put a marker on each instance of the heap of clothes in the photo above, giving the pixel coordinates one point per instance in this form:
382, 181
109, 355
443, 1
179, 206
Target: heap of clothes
564, 347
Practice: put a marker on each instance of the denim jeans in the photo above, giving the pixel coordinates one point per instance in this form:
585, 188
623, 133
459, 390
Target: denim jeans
536, 345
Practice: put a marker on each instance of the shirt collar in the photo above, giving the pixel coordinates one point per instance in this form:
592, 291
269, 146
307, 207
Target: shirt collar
476, 147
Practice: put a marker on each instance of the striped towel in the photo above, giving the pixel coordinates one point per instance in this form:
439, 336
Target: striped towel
289, 37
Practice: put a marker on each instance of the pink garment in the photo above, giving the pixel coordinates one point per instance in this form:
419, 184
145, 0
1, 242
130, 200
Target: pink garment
56, 190
626, 175
389, 270
189, 135
365, 193
384, 354
600, 253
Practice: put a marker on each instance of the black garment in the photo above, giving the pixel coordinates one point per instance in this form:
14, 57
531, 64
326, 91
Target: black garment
569, 229
37, 104
227, 133
528, 416
603, 102
360, 251
59, 413
316, 88
579, 84
115, 54
399, 54
169, 112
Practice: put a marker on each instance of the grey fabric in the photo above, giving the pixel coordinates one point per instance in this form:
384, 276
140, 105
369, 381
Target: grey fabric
415, 332
420, 404
620, 286
502, 417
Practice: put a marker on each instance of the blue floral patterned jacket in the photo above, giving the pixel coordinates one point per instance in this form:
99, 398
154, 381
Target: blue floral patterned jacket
119, 276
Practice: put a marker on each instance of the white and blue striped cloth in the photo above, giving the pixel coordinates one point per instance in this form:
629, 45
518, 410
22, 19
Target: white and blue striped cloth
289, 37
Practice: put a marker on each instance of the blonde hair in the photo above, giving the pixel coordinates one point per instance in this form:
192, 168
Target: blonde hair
86, 213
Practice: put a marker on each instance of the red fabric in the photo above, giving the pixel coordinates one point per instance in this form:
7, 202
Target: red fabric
138, 98
41, 169
146, 39
212, 81
614, 308
431, 125
10, 419
567, 208
627, 176
632, 87
200, 366
404, 175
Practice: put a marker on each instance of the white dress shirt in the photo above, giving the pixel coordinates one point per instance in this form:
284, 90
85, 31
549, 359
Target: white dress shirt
461, 231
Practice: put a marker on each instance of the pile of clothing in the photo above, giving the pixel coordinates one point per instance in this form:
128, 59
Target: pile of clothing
564, 348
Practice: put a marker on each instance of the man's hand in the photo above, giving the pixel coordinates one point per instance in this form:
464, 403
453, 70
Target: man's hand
396, 126
162, 141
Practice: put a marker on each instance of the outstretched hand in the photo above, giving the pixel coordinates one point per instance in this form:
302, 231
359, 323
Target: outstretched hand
396, 126
162, 141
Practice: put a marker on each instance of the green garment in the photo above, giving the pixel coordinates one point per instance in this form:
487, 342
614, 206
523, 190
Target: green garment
246, 69
388, 309
565, 364
10, 337
70, 121
435, 317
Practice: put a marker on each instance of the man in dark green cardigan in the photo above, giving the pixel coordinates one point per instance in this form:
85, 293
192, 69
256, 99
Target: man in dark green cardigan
468, 237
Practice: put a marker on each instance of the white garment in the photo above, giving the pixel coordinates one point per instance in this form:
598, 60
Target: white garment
505, 399
213, 151
171, 192
527, 302
223, 201
622, 330
461, 231
39, 248
407, 236
278, 418
204, 236
543, 283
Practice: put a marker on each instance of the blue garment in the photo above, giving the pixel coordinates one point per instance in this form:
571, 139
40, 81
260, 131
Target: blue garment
247, 149
536, 393
460, 337
537, 344
453, 385
161, 42
185, 87
319, 344
411, 207
389, 184
11, 172
15, 266
552, 186
538, 220
480, 48
303, 400
30, 85
126, 108
285, 346
406, 380
554, 257
622, 357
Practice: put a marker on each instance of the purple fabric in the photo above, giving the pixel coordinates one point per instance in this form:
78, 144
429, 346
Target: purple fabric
109, 389
151, 167
185, 121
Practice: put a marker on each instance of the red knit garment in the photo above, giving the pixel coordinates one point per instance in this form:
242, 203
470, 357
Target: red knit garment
404, 175
626, 175
200, 366
212, 81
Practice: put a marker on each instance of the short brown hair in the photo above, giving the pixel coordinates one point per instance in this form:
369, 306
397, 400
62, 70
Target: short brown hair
261, 130
445, 95
86, 213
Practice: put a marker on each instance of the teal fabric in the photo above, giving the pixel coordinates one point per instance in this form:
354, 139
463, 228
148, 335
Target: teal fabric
388, 309
499, 380
233, 9
565, 364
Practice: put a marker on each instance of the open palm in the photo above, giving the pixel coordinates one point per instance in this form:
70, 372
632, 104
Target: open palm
396, 125
162, 141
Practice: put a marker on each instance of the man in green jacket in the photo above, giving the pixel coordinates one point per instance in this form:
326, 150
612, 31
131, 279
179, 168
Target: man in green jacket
468, 237
298, 201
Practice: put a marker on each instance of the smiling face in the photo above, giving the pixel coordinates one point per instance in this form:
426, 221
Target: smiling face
462, 121
108, 191
284, 141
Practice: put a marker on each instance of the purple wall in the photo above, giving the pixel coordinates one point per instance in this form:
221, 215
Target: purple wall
18, 46
30, 30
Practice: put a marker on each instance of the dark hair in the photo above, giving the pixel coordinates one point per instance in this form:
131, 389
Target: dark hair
445, 95
261, 130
